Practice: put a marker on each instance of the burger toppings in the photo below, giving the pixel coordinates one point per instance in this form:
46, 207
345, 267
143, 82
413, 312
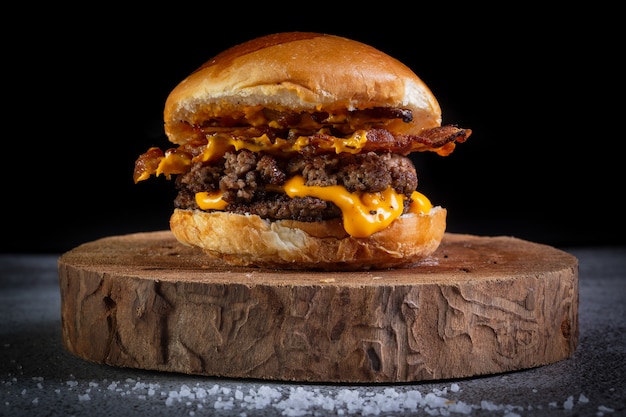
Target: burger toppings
301, 166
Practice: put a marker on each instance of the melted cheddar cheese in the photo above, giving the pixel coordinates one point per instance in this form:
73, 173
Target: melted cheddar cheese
363, 213
174, 162
419, 203
219, 144
210, 201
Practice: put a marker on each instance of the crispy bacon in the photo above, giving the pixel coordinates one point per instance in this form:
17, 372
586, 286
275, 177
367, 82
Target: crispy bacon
382, 113
290, 119
439, 139
147, 164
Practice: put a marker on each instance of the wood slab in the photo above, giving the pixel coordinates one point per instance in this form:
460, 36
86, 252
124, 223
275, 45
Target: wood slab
480, 305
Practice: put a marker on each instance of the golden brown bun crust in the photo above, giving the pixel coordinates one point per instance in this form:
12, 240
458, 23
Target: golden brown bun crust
300, 71
248, 240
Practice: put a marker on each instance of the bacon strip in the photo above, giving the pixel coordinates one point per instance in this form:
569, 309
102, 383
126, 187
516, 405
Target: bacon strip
440, 139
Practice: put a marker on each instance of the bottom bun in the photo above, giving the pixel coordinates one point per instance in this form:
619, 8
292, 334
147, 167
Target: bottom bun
249, 240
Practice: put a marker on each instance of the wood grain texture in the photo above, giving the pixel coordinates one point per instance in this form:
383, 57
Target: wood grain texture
479, 305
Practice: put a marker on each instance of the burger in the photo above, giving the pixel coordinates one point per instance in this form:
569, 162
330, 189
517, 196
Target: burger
292, 150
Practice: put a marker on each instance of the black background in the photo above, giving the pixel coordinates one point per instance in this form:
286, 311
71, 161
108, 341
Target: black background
542, 92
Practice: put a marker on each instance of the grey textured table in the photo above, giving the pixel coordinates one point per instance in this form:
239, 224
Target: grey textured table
39, 378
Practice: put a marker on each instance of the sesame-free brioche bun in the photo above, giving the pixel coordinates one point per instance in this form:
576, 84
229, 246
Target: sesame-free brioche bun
302, 72
249, 240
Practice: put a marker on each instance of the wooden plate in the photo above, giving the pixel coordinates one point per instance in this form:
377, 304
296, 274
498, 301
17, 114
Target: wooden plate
479, 305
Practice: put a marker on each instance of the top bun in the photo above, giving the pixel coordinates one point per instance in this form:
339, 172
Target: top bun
300, 71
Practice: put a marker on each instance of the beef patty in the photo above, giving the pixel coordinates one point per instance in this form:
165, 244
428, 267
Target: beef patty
248, 181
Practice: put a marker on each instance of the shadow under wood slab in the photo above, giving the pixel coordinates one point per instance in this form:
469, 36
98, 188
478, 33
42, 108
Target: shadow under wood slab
479, 305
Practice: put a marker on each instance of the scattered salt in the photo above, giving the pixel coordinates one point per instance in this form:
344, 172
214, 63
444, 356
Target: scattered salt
296, 401
238, 395
224, 405
460, 407
200, 393
605, 409
435, 401
490, 406
185, 392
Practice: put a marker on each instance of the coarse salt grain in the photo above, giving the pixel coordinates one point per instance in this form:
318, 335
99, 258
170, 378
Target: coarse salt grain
224, 405
605, 409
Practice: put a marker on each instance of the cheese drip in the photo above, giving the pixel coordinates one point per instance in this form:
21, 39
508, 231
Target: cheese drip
219, 144
363, 213
210, 201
